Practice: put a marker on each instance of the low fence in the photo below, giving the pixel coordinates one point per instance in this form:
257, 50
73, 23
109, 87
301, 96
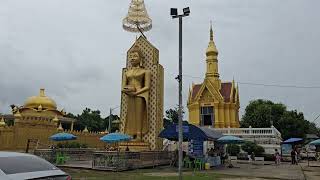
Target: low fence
73, 154
108, 160
119, 161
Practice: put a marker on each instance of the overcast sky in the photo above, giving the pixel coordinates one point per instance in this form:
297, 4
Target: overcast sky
76, 49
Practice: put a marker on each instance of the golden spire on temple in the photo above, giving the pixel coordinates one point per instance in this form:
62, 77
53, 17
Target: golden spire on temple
137, 19
212, 49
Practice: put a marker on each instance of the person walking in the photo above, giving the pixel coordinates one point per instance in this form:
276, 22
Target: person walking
277, 157
293, 156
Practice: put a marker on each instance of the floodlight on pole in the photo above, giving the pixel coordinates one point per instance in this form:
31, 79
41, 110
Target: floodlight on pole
174, 14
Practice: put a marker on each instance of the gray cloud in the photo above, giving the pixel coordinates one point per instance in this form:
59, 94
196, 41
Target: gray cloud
76, 49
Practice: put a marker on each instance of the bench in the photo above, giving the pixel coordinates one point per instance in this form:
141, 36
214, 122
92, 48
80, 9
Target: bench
233, 159
258, 160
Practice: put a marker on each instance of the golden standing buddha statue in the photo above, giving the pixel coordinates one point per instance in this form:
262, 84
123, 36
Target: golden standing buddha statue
136, 85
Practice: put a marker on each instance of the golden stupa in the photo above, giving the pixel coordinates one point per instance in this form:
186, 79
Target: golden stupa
41, 101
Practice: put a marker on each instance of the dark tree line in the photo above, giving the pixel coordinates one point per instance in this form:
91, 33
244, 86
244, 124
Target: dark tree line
93, 120
291, 123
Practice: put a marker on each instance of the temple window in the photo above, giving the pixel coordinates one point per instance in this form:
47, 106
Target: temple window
207, 116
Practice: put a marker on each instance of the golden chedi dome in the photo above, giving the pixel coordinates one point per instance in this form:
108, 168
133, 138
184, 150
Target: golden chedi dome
40, 101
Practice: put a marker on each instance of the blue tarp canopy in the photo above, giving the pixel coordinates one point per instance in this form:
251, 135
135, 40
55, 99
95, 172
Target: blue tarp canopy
190, 132
315, 142
63, 137
115, 137
292, 140
230, 140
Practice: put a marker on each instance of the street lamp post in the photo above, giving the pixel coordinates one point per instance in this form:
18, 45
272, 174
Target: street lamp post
174, 14
110, 118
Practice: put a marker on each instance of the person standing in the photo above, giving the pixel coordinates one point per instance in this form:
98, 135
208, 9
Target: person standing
277, 157
293, 156
296, 156
253, 157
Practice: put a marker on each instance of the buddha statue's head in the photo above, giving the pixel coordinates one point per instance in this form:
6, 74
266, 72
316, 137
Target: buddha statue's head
135, 56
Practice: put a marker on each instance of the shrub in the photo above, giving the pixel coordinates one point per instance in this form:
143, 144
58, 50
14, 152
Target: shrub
268, 157
250, 147
233, 149
259, 150
71, 145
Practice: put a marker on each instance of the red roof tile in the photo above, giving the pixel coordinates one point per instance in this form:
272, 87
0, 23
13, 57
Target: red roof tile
225, 91
195, 90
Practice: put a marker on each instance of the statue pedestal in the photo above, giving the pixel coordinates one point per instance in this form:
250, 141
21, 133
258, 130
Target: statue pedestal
135, 146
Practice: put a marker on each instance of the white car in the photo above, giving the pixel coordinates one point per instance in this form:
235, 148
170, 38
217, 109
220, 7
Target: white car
21, 166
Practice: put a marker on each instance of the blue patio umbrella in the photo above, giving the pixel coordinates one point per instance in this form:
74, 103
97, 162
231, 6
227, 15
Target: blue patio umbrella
292, 140
315, 142
63, 137
230, 140
115, 137
190, 132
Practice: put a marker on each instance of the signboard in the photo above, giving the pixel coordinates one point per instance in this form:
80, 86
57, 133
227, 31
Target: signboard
196, 148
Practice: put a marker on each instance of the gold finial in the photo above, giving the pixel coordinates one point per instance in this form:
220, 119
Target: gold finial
212, 49
60, 128
211, 31
17, 114
55, 119
85, 130
42, 92
40, 108
2, 122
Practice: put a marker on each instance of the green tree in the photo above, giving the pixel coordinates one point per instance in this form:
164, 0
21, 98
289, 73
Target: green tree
90, 118
293, 124
263, 113
233, 149
171, 116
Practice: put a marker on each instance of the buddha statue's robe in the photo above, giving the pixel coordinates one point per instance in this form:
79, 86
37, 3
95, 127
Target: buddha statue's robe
137, 79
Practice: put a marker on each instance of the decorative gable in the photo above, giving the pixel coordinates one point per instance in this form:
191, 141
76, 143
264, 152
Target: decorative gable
208, 88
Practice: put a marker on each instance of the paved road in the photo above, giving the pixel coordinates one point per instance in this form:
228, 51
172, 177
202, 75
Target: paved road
283, 171
311, 172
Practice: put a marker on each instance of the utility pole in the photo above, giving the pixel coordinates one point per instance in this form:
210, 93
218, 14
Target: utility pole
174, 14
110, 119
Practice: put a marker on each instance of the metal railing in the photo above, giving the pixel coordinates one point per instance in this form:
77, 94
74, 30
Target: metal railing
119, 161
73, 154
244, 132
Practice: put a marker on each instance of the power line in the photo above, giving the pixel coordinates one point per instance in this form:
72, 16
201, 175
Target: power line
278, 85
267, 85
316, 118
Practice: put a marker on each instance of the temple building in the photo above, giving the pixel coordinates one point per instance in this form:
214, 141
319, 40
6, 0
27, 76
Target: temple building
214, 103
35, 121
41, 107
